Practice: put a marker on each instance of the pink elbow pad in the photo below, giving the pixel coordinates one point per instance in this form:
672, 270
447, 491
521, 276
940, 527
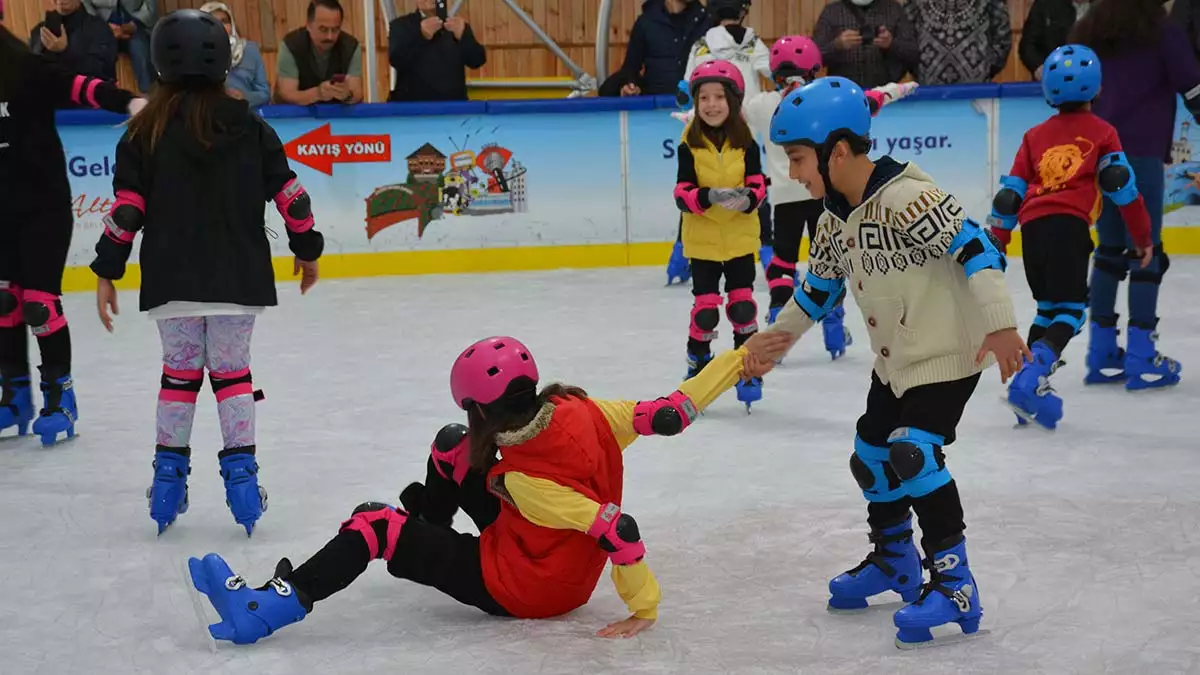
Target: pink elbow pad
294, 204
665, 416
618, 535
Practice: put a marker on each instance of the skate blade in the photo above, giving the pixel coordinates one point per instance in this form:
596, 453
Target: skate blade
57, 441
197, 604
942, 641
873, 608
1030, 421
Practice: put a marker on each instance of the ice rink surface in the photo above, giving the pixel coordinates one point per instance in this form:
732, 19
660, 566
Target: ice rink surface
1085, 543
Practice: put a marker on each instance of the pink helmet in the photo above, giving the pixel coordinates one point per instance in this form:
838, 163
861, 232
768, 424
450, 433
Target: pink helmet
485, 369
717, 71
797, 52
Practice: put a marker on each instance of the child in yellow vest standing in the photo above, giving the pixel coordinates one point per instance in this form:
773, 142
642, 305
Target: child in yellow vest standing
719, 187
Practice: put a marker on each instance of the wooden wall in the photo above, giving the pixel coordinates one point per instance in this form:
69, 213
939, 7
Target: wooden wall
513, 50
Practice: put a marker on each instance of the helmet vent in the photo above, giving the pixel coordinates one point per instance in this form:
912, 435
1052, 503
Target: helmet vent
498, 346
835, 84
524, 356
469, 352
493, 371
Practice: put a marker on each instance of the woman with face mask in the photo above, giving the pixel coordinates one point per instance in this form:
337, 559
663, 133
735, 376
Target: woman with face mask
247, 78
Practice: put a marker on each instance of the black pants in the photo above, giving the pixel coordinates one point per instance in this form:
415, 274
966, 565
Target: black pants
792, 220
706, 280
429, 554
1057, 250
936, 408
33, 255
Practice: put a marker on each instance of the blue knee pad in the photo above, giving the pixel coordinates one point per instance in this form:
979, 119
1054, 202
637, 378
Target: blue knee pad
1074, 314
869, 466
912, 454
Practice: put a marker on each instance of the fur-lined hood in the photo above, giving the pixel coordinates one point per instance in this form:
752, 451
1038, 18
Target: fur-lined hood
560, 441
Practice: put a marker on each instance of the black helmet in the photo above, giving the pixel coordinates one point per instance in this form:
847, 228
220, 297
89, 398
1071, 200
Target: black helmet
190, 43
727, 9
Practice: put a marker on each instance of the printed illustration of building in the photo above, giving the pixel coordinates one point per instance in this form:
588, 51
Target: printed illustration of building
516, 185
426, 163
1181, 148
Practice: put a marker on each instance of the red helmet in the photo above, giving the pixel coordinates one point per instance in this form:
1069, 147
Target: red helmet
796, 52
482, 373
718, 71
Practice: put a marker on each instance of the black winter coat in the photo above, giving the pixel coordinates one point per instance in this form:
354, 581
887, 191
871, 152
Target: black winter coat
1047, 28
204, 235
91, 47
431, 70
660, 43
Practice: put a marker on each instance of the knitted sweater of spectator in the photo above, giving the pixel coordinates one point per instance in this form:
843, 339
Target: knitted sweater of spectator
867, 65
960, 41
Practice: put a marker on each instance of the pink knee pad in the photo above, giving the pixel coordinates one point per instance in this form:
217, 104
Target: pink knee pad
705, 316
454, 463
618, 535
665, 416
363, 521
233, 383
181, 386
742, 311
10, 305
42, 312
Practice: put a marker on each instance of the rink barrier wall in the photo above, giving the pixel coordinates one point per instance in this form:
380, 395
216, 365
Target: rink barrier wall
564, 183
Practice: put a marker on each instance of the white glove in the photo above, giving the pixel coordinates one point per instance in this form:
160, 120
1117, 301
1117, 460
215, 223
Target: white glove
684, 116
894, 91
136, 105
733, 199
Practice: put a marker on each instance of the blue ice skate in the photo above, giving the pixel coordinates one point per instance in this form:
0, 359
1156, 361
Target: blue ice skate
244, 496
678, 267
168, 494
950, 596
16, 404
60, 411
764, 256
894, 565
696, 364
1146, 368
837, 337
247, 614
773, 314
1105, 358
1030, 395
749, 391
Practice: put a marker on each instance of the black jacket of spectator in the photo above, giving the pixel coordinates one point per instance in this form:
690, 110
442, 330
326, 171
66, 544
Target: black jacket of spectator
1186, 13
299, 43
659, 43
91, 48
1046, 28
431, 70
867, 65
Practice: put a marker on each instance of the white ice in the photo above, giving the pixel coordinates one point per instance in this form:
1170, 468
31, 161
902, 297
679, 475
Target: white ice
1085, 542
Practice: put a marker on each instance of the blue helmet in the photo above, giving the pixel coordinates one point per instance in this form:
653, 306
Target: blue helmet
820, 111
1071, 74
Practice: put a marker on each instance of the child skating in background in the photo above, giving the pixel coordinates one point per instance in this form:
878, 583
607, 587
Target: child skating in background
1063, 168
718, 189
933, 314
548, 509
193, 171
795, 60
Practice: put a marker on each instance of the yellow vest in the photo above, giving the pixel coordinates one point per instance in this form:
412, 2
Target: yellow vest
719, 234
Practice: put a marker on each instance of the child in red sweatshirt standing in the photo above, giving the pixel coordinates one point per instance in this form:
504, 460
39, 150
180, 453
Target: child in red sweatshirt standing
1063, 168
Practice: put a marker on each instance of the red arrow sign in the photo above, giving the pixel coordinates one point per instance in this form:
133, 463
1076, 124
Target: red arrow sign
319, 149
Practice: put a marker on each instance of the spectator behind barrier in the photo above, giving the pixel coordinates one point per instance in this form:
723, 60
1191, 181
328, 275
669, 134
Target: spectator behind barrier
84, 45
1047, 26
1186, 13
871, 42
960, 41
247, 78
731, 41
659, 44
131, 22
431, 56
319, 63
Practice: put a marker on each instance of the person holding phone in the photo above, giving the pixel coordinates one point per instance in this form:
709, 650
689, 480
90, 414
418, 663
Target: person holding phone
311, 57
78, 41
430, 51
130, 22
870, 42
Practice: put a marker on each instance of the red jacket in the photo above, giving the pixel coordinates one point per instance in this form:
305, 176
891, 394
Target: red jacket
535, 571
1058, 159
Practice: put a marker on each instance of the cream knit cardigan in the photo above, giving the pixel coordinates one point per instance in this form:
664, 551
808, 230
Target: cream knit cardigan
926, 320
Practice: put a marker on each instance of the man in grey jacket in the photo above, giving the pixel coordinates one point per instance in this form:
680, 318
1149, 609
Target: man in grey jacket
130, 22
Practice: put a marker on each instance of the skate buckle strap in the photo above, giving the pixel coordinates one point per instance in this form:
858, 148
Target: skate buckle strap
938, 578
879, 556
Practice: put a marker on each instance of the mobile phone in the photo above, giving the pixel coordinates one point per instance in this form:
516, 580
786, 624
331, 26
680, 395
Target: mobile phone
442, 12
338, 79
54, 23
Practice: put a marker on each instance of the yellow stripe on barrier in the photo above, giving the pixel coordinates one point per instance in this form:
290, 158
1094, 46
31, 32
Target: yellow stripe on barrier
1176, 240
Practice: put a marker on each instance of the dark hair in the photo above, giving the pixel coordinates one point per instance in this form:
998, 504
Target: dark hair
195, 99
1072, 106
13, 53
735, 129
327, 4
1112, 27
517, 407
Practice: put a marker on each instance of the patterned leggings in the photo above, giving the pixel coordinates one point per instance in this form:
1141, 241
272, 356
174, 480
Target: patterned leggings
222, 344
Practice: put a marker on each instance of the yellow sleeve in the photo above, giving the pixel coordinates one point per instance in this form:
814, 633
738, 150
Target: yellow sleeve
717, 377
548, 504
